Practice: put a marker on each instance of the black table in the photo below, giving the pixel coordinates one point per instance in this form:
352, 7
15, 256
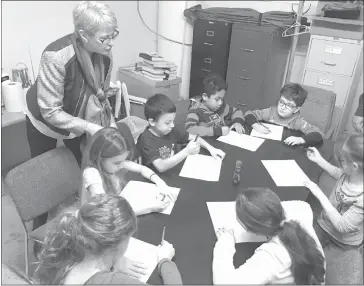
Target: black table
189, 227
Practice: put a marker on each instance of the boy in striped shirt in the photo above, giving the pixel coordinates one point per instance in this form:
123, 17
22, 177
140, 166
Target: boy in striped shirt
209, 115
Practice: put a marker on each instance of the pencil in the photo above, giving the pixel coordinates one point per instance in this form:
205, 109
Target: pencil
197, 137
164, 231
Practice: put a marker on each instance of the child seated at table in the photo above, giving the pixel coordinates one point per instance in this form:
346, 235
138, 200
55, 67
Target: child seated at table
157, 144
292, 253
340, 225
210, 115
105, 161
287, 114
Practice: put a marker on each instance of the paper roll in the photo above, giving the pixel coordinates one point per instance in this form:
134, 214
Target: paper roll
13, 96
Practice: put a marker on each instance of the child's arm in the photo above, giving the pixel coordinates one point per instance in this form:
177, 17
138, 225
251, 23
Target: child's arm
92, 181
252, 119
144, 171
163, 165
314, 155
192, 126
312, 135
236, 116
345, 223
213, 151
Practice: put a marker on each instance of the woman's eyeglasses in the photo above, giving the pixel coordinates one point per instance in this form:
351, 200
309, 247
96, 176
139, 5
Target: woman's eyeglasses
108, 40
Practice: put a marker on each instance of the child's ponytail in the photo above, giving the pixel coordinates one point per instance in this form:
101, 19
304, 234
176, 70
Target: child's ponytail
260, 211
307, 261
60, 252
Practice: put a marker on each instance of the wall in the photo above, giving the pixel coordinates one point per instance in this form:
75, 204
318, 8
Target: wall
35, 24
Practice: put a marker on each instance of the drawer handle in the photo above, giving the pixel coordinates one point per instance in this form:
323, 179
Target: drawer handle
207, 60
247, 50
205, 70
244, 70
328, 63
209, 44
210, 33
244, 78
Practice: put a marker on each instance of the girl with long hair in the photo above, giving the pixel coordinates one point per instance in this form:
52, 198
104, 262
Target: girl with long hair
106, 159
87, 243
340, 225
292, 253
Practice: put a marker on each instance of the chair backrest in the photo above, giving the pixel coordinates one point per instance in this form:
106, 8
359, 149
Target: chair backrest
126, 132
319, 107
12, 274
182, 107
43, 182
347, 269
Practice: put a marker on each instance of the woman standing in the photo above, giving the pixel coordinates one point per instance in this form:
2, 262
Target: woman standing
72, 69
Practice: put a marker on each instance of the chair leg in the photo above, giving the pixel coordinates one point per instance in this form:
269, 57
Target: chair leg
26, 255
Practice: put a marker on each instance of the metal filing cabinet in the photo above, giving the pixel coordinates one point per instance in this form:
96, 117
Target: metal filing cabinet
335, 64
210, 52
257, 64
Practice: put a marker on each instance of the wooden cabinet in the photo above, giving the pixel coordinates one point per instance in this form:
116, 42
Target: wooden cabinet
256, 67
210, 52
335, 64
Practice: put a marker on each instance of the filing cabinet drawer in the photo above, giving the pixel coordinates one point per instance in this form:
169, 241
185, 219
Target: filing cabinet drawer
249, 51
208, 32
333, 57
336, 83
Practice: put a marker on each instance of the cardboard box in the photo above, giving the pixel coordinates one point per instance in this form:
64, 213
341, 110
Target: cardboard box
141, 86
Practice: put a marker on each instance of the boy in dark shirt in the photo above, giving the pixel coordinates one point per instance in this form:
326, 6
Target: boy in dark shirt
157, 144
287, 114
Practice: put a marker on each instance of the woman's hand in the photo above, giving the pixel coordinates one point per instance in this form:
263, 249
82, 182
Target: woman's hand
165, 250
92, 128
132, 268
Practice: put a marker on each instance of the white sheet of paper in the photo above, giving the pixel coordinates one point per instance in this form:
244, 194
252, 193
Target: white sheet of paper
139, 194
201, 167
223, 214
285, 173
275, 134
241, 140
144, 252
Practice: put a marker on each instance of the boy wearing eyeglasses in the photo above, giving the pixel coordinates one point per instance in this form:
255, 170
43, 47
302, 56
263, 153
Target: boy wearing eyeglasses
287, 114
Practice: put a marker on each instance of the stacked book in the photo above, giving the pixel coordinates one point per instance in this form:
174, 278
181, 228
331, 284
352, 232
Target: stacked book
156, 67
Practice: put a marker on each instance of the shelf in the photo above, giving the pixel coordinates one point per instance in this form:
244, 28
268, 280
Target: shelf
339, 21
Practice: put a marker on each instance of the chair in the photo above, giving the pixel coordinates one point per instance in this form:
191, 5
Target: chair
11, 274
318, 109
347, 269
38, 185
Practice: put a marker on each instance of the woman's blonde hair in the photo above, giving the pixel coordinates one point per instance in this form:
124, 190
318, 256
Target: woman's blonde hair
90, 15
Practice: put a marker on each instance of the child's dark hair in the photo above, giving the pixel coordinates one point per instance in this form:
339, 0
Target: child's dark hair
213, 83
101, 223
261, 212
295, 92
158, 105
